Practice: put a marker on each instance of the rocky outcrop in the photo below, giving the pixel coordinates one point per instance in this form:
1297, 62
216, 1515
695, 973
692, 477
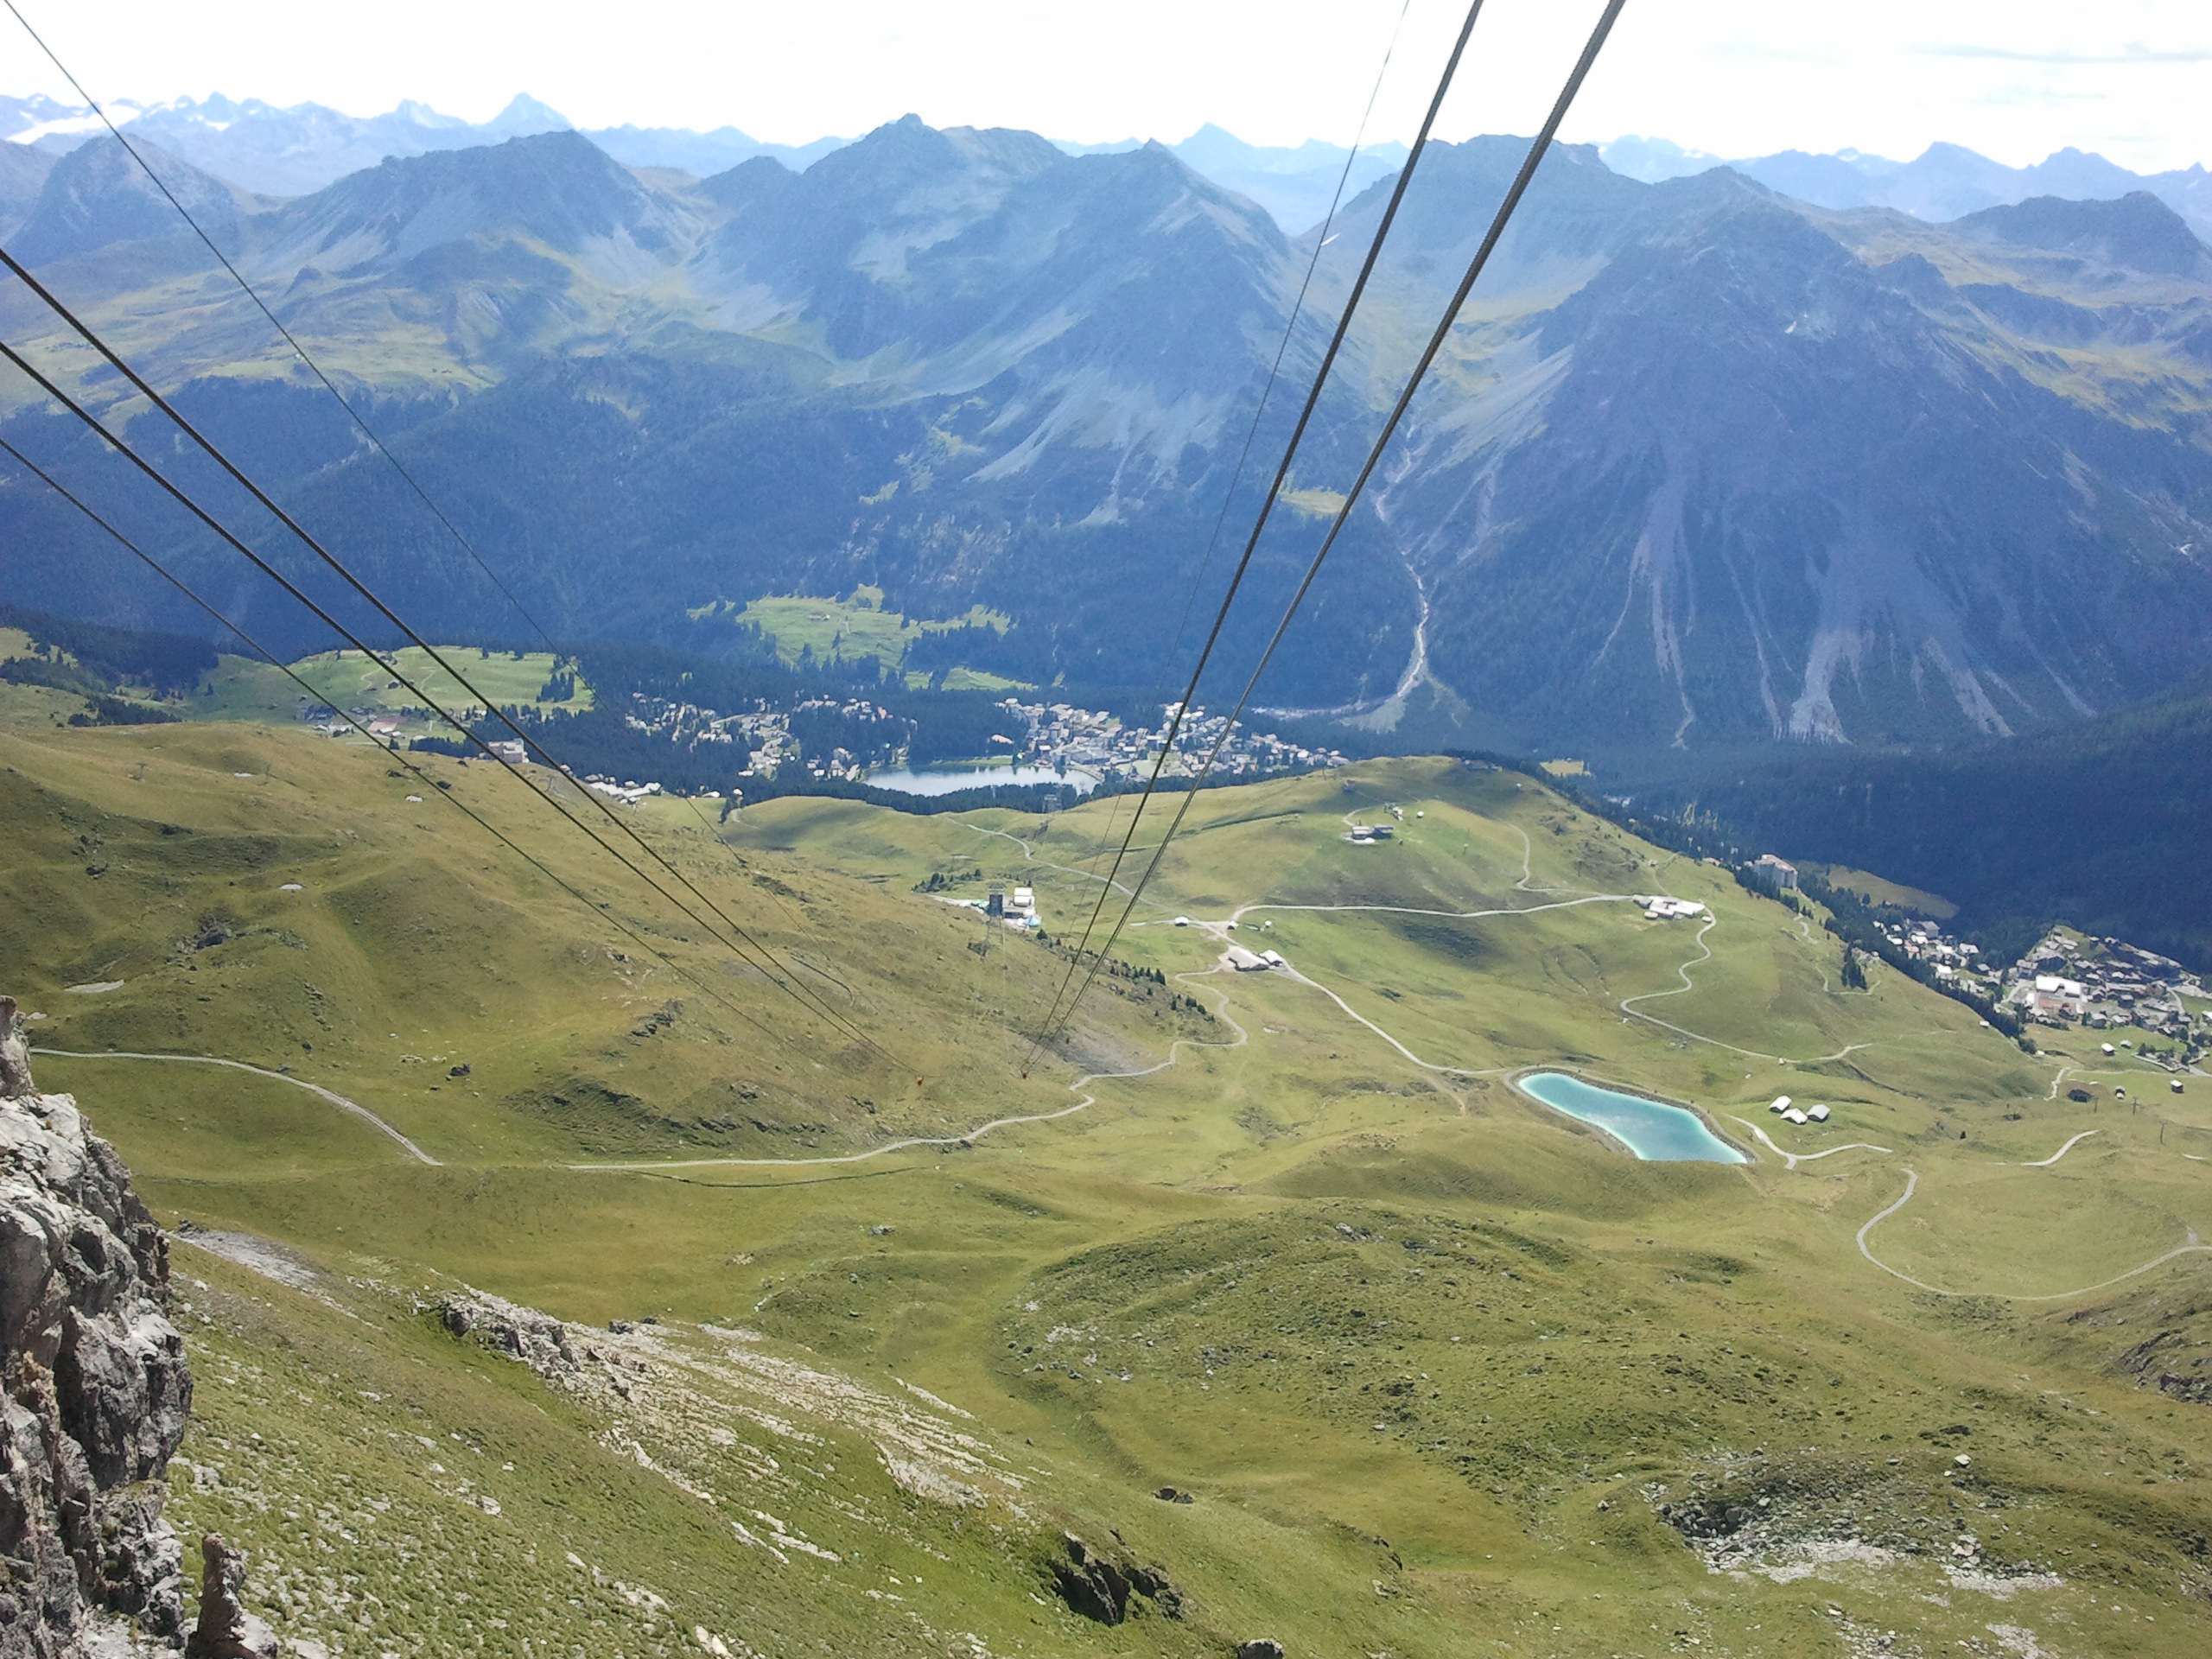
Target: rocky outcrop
96, 1389
1101, 1589
1092, 1584
2178, 1362
226, 1630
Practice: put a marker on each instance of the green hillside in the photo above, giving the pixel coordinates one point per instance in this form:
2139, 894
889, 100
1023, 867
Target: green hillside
242, 689
1441, 1371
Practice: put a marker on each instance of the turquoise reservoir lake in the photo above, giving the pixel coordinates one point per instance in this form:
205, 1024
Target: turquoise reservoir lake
1650, 1128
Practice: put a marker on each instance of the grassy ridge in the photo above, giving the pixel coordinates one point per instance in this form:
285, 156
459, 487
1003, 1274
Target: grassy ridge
1437, 1364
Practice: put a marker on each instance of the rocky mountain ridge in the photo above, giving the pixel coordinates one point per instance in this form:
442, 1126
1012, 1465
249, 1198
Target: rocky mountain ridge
98, 1391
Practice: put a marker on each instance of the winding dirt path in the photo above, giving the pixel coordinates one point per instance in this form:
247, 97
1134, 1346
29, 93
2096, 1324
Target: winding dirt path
1793, 1159
1425, 1065
972, 1135
338, 1100
1688, 984
2045, 1163
1221, 931
1912, 1184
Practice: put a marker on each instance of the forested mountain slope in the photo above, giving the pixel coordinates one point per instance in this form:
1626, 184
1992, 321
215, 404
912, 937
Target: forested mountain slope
1702, 465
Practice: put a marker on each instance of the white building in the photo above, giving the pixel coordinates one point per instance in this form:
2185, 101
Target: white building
1772, 874
2054, 998
1244, 961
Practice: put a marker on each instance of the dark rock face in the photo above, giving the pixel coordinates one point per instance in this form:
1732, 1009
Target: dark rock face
1100, 1589
1092, 1586
97, 1392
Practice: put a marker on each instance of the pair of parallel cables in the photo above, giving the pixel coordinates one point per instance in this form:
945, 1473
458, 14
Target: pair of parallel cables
1063, 1006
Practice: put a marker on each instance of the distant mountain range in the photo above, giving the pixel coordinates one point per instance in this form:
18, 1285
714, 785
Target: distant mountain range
1704, 465
297, 150
1946, 181
294, 151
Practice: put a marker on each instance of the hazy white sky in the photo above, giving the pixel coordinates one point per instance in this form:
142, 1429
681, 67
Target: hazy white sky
2132, 78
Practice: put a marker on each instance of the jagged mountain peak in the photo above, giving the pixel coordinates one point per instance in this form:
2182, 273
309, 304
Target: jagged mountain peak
760, 178
524, 115
989, 245
557, 188
22, 175
1576, 208
97, 196
422, 115
908, 151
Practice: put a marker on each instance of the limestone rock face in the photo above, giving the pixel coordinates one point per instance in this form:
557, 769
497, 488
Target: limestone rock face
94, 1390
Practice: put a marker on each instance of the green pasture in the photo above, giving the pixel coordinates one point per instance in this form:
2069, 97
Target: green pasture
1877, 891
1432, 1360
832, 629
241, 689
38, 705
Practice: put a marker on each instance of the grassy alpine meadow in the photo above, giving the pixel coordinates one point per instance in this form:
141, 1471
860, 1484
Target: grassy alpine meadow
241, 689
837, 1335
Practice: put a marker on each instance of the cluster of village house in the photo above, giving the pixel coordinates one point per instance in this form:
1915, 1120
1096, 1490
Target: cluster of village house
1060, 735
763, 732
2105, 984
1055, 734
2065, 978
